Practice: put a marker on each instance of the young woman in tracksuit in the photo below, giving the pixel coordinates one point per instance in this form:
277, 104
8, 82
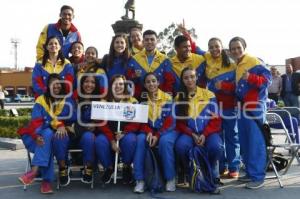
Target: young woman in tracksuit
159, 129
198, 121
91, 66
53, 62
116, 61
50, 115
252, 80
118, 92
83, 135
220, 76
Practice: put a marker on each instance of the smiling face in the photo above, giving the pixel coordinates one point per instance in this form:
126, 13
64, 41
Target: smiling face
150, 42
189, 79
118, 87
183, 50
55, 87
90, 55
53, 46
136, 38
237, 50
89, 85
77, 50
119, 45
151, 84
215, 48
66, 17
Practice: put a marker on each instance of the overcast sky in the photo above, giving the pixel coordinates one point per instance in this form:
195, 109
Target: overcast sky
271, 27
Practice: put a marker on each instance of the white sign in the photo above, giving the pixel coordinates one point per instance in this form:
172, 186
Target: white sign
124, 112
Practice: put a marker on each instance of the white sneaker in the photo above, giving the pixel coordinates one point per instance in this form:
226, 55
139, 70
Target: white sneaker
139, 187
170, 186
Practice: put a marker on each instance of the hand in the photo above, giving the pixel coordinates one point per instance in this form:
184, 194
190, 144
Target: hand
218, 85
115, 147
245, 75
119, 135
39, 140
61, 132
181, 27
151, 139
201, 140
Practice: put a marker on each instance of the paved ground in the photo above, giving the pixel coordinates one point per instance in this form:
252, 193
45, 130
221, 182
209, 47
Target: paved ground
13, 165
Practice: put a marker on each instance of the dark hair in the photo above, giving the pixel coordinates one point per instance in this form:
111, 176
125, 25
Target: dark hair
96, 91
179, 40
149, 32
144, 90
183, 95
240, 39
77, 42
47, 96
66, 7
46, 52
94, 48
225, 57
112, 54
110, 95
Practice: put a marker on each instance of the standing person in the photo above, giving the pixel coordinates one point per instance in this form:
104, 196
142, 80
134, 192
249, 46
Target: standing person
136, 41
46, 123
63, 29
274, 89
2, 96
290, 87
116, 61
150, 60
252, 80
220, 74
159, 129
118, 92
77, 52
184, 58
53, 62
197, 121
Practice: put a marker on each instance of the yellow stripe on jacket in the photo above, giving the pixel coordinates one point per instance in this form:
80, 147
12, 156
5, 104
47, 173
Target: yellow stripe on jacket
155, 108
193, 61
142, 60
246, 64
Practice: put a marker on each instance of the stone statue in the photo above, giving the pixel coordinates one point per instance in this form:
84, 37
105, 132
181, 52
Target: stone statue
129, 6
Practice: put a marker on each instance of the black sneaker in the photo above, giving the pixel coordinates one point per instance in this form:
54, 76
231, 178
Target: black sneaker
87, 175
218, 182
64, 178
127, 174
107, 176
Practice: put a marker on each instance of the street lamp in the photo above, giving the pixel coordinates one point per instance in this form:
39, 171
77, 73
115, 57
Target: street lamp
15, 42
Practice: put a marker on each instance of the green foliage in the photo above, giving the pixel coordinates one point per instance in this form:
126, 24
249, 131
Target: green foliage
21, 112
167, 37
10, 125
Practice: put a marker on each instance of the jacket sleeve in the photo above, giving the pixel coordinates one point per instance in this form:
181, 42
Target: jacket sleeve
214, 123
181, 127
131, 127
261, 79
168, 78
40, 44
38, 83
228, 86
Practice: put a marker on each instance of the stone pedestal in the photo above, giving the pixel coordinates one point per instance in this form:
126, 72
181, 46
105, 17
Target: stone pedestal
124, 26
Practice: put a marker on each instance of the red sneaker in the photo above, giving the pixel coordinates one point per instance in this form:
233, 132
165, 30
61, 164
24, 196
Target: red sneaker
233, 174
46, 187
27, 178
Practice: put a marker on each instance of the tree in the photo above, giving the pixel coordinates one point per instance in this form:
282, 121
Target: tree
167, 37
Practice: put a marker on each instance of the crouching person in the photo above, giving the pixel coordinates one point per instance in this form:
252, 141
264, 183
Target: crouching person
197, 121
38, 135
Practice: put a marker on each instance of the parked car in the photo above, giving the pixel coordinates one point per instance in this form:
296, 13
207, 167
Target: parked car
8, 99
23, 98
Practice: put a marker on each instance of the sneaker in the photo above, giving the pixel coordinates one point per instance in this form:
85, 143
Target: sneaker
233, 174
170, 185
254, 184
127, 174
87, 176
64, 178
46, 187
27, 178
139, 187
218, 182
107, 176
224, 174
244, 178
